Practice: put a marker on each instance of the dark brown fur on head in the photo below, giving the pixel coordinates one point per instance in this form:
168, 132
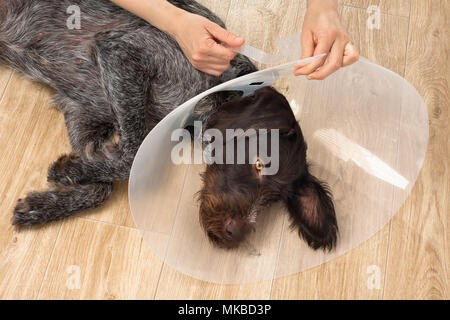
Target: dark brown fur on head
233, 194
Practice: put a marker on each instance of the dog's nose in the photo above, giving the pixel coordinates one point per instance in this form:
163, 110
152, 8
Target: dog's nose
234, 230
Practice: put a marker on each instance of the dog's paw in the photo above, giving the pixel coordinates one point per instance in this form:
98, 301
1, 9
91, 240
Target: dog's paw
31, 210
67, 170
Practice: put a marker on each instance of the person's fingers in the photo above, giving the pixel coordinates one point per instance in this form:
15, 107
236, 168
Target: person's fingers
211, 53
334, 62
224, 35
211, 72
214, 71
351, 54
324, 44
208, 59
307, 42
221, 52
213, 61
212, 67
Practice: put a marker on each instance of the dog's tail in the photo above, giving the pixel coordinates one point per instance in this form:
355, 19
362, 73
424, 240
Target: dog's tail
59, 202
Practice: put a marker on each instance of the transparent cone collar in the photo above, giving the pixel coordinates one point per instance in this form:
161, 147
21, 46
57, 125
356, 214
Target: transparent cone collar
367, 133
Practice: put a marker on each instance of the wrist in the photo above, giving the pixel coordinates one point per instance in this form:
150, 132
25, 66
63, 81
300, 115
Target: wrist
167, 17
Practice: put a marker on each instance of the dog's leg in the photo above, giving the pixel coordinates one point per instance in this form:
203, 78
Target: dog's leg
87, 130
59, 202
64, 198
89, 133
126, 79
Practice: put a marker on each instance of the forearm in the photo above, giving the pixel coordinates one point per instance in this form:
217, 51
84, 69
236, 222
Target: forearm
160, 13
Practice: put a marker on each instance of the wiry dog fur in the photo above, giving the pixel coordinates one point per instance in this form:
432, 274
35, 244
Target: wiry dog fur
115, 79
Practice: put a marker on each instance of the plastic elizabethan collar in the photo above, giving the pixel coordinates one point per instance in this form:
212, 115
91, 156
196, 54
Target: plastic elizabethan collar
367, 133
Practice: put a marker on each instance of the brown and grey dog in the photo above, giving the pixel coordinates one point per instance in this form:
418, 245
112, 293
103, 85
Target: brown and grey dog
115, 78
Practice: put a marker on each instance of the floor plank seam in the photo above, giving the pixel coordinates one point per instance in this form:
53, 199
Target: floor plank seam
407, 42
6, 86
228, 13
171, 234
386, 264
278, 254
390, 222
49, 261
106, 222
159, 278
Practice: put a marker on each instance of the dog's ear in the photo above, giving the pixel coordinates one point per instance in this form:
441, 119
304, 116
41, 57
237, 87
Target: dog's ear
311, 209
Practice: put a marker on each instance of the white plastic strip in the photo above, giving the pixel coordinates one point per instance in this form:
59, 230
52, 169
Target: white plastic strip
258, 55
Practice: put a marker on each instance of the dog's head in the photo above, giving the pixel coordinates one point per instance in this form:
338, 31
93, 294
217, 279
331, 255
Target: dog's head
234, 192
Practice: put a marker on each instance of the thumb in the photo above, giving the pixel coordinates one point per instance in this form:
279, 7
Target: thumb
224, 35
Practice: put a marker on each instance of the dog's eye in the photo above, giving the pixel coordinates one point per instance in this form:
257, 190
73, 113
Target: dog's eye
259, 165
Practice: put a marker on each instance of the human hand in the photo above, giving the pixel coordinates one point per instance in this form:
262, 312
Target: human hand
198, 36
323, 33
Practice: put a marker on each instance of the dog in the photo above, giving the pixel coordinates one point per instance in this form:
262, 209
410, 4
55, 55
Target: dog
115, 78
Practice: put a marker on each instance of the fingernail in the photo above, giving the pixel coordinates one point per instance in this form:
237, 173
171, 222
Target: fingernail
310, 77
239, 39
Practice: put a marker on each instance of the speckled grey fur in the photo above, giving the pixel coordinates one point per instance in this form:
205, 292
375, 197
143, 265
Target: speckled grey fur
117, 75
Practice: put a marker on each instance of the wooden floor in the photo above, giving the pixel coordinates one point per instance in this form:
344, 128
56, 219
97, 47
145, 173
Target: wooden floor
100, 254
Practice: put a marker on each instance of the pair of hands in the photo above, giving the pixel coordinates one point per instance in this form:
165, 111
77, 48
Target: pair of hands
322, 33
